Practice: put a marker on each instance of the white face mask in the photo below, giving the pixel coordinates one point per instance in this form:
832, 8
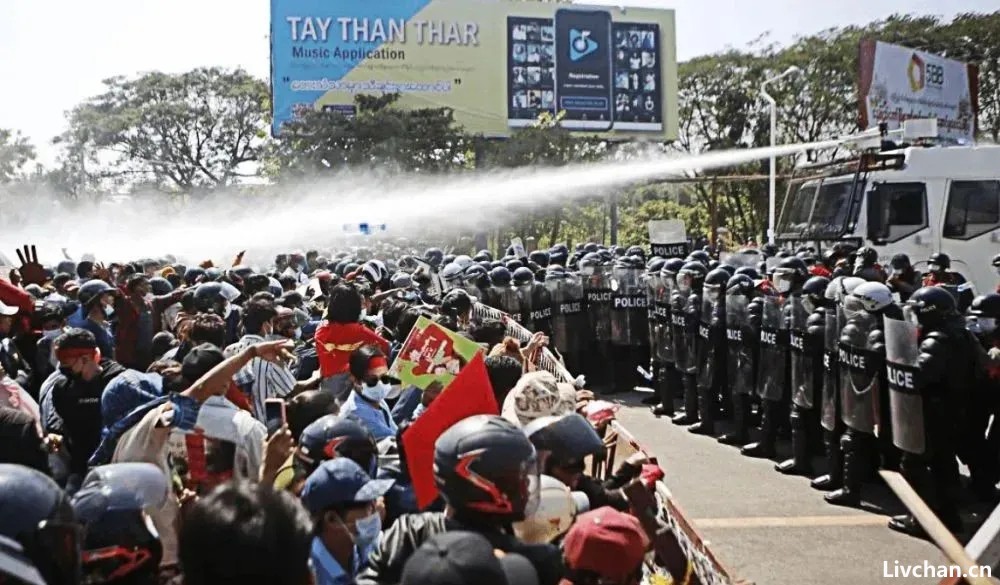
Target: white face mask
933, 267
108, 311
783, 285
376, 393
52, 333
298, 333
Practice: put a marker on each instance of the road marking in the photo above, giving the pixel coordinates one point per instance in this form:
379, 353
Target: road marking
792, 521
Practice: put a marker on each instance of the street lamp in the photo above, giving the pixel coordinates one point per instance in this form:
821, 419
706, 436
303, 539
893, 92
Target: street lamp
774, 124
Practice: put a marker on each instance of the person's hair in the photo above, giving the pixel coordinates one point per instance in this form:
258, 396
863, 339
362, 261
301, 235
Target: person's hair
287, 282
392, 310
246, 534
262, 295
358, 362
187, 301
503, 372
406, 322
308, 406
76, 339
256, 314
84, 268
344, 305
207, 328
490, 332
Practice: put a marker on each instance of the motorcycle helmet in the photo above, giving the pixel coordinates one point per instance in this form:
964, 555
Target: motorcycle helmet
564, 441
486, 468
331, 436
558, 507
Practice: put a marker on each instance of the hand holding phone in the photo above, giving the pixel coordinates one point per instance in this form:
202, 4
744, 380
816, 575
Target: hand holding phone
274, 415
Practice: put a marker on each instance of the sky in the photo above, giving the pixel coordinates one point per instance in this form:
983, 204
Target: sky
54, 53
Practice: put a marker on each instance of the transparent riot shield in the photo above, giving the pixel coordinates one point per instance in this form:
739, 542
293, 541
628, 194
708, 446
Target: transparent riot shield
740, 344
597, 288
706, 344
558, 292
508, 300
773, 353
678, 327
661, 315
906, 403
541, 308
692, 320
859, 369
652, 283
574, 309
628, 307
801, 366
831, 368
525, 303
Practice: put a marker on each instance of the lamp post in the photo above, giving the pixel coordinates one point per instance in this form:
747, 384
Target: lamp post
774, 124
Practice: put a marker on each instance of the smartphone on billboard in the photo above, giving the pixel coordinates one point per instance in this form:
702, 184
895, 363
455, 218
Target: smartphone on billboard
530, 70
584, 69
274, 415
638, 79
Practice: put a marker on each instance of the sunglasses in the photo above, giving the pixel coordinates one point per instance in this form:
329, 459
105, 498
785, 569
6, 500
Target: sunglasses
384, 378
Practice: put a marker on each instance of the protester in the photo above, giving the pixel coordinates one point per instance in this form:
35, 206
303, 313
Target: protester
371, 385
605, 546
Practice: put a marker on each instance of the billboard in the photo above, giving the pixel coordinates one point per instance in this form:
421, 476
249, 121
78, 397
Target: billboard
497, 64
898, 83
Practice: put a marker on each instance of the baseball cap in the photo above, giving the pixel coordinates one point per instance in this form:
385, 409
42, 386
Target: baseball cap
607, 542
341, 481
200, 361
459, 558
7, 310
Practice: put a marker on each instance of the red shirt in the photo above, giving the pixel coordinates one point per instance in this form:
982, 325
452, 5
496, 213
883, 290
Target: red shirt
336, 341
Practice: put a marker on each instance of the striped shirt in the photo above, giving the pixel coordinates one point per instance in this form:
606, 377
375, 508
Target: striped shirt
260, 379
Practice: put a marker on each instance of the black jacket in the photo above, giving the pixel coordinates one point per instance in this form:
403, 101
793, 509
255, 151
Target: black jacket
20, 442
398, 543
78, 404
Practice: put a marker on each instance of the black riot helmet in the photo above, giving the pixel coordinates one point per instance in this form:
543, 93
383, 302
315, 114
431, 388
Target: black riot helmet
434, 257
500, 276
866, 256
451, 273
939, 262
483, 256
191, 275
750, 271
729, 268
987, 306
208, 298
636, 251
589, 262
591, 247
814, 293
486, 469
790, 274
700, 256
555, 272
672, 266
539, 257
655, 265
715, 284
564, 441
447, 259
523, 276
38, 516
513, 265
92, 291
740, 284
932, 305
160, 286
691, 276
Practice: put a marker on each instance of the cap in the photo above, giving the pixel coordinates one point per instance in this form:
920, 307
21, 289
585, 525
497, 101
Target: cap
458, 558
607, 542
536, 395
200, 361
341, 481
7, 310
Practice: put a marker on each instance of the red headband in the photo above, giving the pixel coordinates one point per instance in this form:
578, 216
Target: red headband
77, 352
377, 362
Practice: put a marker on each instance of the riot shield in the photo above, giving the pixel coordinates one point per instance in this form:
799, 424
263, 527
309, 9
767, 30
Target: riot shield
524, 299
692, 320
740, 345
628, 308
773, 350
541, 308
507, 300
859, 369
560, 324
906, 403
678, 327
800, 358
597, 288
652, 282
831, 368
664, 327
706, 344
569, 320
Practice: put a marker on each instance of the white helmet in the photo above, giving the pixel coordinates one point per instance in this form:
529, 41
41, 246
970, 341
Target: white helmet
839, 288
874, 296
557, 508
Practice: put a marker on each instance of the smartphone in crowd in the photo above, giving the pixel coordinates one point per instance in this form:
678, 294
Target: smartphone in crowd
274, 415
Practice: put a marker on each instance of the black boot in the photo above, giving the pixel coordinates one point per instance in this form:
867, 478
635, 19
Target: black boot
908, 525
707, 409
765, 447
690, 414
665, 383
800, 463
855, 467
834, 479
740, 434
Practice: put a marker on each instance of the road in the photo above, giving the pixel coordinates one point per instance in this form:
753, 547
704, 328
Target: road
773, 529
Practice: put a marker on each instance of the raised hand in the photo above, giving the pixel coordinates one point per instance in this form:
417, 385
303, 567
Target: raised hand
31, 270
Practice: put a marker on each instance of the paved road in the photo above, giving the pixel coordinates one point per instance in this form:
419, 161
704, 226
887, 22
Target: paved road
770, 528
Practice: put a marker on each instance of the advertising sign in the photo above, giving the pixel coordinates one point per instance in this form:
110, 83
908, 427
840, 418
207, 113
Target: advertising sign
898, 83
497, 64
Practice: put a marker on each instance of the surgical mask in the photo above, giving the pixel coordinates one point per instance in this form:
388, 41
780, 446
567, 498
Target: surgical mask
782, 285
109, 311
808, 304
934, 267
367, 530
297, 334
52, 333
982, 325
376, 393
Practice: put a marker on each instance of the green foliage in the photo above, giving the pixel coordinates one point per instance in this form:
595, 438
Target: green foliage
15, 154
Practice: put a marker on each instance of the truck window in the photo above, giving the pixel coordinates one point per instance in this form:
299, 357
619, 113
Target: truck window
897, 210
973, 209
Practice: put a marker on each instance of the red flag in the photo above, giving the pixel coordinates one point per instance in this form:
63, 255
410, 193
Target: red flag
469, 394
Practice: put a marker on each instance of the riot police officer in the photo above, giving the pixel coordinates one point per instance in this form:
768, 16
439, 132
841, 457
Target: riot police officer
629, 325
806, 339
596, 276
569, 319
744, 308
522, 279
977, 449
712, 379
689, 285
653, 283
502, 295
669, 324
939, 377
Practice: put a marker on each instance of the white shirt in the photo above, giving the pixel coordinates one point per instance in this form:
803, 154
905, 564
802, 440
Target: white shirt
260, 379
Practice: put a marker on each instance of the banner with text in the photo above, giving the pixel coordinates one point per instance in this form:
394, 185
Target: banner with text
498, 64
898, 84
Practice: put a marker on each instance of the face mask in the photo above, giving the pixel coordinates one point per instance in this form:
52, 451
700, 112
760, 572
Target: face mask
713, 295
226, 312
982, 325
376, 393
934, 267
808, 304
297, 334
51, 333
68, 373
367, 530
783, 285
109, 311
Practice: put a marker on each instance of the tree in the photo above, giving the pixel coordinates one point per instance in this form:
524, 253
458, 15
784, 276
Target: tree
15, 154
378, 135
203, 128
